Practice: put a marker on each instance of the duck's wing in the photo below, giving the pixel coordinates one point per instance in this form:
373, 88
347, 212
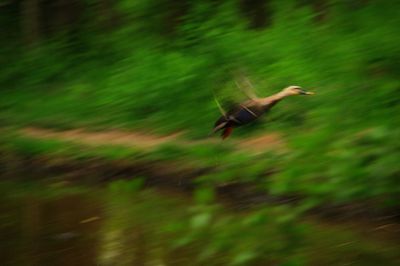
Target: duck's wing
228, 119
245, 85
244, 113
239, 115
247, 113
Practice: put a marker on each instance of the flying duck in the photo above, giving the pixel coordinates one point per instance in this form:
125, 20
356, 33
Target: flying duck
252, 109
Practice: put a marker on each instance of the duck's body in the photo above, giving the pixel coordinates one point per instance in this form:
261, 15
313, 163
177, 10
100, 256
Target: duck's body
251, 110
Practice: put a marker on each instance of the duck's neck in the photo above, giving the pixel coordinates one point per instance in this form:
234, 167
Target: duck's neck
273, 99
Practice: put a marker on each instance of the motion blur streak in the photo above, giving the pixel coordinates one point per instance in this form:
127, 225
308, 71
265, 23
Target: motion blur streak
106, 108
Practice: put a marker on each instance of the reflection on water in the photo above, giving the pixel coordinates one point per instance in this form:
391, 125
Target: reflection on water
118, 225
36, 230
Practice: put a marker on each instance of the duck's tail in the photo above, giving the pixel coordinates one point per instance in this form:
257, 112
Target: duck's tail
223, 125
227, 131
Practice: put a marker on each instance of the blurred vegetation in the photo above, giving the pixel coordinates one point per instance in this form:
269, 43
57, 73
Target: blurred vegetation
113, 226
154, 66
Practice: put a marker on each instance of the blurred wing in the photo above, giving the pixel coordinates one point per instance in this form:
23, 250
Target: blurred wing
245, 85
223, 112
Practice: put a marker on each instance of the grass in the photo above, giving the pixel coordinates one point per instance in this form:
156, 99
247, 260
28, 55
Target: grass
343, 142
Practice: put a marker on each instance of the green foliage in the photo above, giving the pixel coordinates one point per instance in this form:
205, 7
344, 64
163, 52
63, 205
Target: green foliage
124, 226
179, 233
356, 167
157, 70
123, 186
157, 66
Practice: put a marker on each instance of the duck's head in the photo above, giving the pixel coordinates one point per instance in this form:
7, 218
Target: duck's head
295, 90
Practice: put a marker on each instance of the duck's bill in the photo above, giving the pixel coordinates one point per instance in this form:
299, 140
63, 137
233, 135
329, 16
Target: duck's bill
307, 93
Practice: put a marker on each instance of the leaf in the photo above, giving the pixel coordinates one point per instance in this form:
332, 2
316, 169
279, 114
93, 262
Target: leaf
200, 220
204, 195
243, 257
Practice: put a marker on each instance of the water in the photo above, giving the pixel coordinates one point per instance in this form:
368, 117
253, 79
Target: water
60, 224
39, 230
